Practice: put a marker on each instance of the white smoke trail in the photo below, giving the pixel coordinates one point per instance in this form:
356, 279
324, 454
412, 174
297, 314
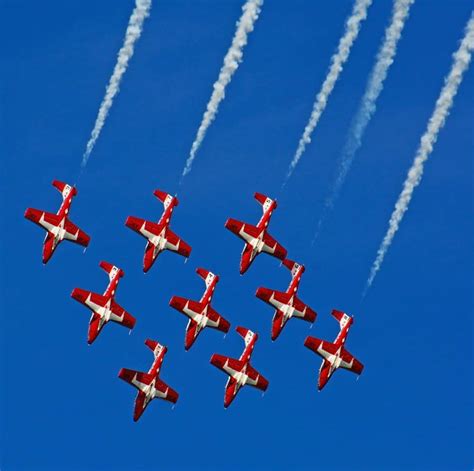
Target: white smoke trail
461, 60
134, 30
232, 59
367, 107
353, 23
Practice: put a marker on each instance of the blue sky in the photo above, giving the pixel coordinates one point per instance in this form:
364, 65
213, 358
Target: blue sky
62, 405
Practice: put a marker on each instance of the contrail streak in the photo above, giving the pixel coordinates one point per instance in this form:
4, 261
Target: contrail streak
232, 59
353, 23
367, 107
134, 31
461, 60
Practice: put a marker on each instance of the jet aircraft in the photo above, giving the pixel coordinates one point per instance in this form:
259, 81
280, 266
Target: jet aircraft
149, 385
240, 371
103, 307
287, 304
334, 354
256, 238
159, 235
58, 226
200, 313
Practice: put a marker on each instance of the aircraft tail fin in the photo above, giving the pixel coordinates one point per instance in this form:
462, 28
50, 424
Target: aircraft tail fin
156, 347
246, 334
166, 198
207, 276
265, 201
342, 318
111, 270
64, 188
293, 266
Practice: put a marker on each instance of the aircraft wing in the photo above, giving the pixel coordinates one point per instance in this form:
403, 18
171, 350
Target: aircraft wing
44, 219
175, 244
147, 229
321, 347
226, 364
136, 378
245, 231
121, 316
216, 321
303, 311
163, 391
90, 299
349, 362
190, 308
74, 234
275, 298
271, 246
255, 379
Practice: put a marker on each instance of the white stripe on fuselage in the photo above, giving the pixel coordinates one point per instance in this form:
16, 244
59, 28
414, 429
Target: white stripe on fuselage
241, 377
105, 313
199, 317
149, 389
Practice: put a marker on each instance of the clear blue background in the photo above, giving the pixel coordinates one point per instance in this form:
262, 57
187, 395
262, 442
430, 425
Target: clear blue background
62, 405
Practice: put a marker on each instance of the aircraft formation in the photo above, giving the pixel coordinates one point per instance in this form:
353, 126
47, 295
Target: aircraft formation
200, 313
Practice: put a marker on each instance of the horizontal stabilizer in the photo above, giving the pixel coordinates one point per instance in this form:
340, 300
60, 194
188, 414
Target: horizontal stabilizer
207, 276
265, 201
166, 198
156, 347
294, 267
112, 270
342, 318
246, 334
64, 188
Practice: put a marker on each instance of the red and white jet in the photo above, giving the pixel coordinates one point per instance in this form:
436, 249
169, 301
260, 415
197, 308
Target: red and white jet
159, 235
240, 371
200, 313
58, 226
149, 385
334, 354
103, 307
256, 238
287, 303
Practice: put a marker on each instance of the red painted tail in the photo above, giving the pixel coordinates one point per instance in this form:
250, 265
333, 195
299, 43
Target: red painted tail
64, 188
166, 198
265, 201
155, 347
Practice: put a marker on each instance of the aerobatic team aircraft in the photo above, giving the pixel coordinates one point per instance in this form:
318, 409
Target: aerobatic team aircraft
334, 354
287, 303
103, 307
240, 371
149, 385
256, 238
159, 235
200, 313
58, 226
